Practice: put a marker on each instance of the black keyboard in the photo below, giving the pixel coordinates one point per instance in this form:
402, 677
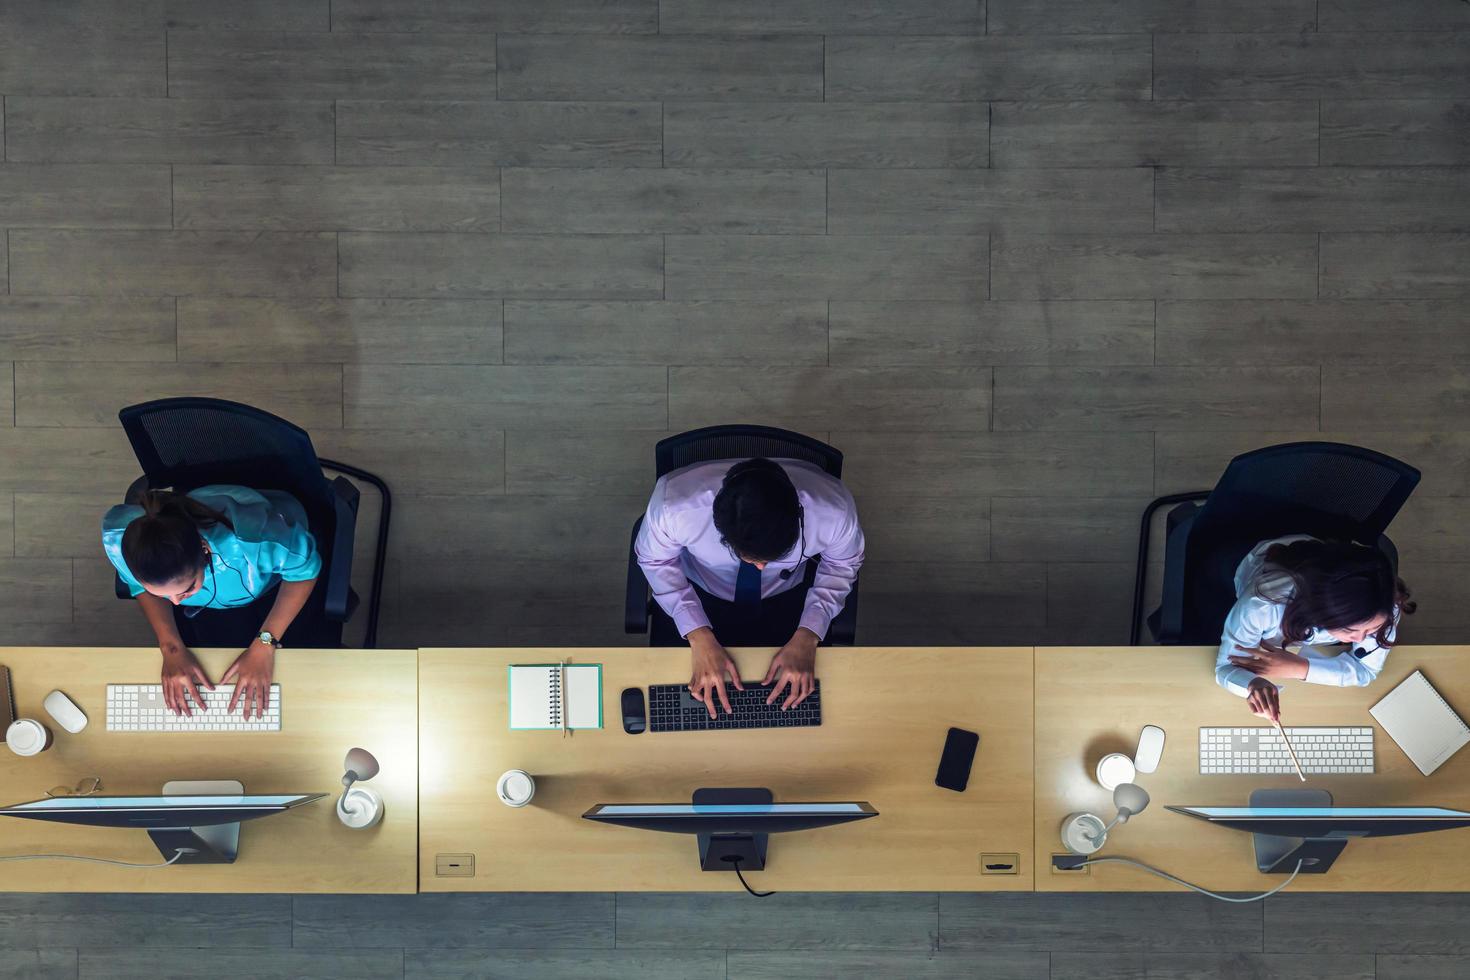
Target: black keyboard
671, 708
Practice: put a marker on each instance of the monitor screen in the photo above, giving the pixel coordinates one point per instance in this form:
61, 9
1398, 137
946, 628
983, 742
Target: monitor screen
725, 809
1326, 812
92, 803
157, 811
736, 816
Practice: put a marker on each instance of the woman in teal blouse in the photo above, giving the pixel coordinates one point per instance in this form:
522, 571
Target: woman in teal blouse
217, 547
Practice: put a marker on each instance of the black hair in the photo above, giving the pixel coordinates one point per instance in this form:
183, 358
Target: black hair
756, 510
1332, 585
164, 544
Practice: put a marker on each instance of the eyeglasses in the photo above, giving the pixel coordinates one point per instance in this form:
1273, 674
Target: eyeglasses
86, 787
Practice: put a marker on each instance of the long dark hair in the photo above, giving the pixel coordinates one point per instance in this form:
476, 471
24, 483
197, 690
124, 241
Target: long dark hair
164, 544
1331, 585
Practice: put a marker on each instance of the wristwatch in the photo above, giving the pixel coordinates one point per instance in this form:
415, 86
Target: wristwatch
269, 639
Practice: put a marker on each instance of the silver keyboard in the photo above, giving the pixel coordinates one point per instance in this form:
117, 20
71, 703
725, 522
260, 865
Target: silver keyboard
1260, 751
140, 708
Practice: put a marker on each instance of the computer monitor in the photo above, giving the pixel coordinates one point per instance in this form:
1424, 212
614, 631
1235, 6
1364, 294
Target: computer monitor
1314, 831
205, 827
732, 825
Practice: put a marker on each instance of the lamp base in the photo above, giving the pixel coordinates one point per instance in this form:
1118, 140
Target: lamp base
360, 808
1084, 833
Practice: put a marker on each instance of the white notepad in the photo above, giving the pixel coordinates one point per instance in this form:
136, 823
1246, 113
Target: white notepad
1416, 717
537, 699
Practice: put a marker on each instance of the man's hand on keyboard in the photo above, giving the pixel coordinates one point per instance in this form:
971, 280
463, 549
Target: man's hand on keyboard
183, 676
793, 669
1264, 699
1271, 660
712, 663
251, 673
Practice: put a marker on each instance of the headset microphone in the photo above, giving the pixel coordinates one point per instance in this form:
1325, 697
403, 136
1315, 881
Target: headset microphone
785, 573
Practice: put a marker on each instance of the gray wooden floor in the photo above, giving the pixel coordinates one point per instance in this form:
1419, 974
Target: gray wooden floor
673, 937
1027, 262
1026, 279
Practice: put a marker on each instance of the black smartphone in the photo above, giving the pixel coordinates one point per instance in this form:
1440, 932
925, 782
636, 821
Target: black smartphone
635, 718
954, 764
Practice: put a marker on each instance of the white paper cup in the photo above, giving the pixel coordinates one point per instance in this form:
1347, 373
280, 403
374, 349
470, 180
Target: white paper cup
1114, 769
27, 736
515, 787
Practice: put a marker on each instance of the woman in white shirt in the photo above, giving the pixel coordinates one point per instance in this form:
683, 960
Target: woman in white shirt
1299, 590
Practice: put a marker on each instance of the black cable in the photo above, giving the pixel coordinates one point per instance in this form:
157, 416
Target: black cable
747, 884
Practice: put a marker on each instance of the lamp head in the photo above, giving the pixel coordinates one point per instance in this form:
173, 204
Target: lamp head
360, 766
1129, 798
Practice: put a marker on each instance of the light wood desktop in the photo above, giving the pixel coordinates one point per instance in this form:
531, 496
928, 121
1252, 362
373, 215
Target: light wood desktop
1093, 701
885, 714
331, 701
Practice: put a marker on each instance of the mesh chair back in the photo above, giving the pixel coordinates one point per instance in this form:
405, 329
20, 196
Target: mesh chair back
743, 442
187, 443
1324, 489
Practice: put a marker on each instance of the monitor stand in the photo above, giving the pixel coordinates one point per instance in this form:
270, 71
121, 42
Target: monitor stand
726, 852
1279, 855
215, 844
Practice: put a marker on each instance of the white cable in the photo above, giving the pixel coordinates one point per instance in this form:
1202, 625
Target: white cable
1202, 891
178, 853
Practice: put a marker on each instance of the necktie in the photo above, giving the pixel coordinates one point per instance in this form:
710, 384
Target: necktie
748, 586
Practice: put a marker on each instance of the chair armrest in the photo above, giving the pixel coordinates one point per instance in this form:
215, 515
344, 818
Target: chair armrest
1140, 571
842, 631
340, 599
1176, 550
635, 605
380, 552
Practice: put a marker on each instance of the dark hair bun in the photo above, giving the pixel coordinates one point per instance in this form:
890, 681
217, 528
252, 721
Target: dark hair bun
164, 544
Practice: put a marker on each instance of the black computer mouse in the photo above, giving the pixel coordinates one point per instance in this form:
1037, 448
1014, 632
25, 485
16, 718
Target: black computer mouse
635, 717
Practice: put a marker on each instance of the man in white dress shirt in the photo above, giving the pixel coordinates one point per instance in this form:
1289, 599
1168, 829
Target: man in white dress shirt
725, 546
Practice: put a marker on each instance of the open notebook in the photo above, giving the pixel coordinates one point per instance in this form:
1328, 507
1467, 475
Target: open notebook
537, 699
1427, 729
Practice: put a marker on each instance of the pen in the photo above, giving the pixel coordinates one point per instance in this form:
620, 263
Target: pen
1294, 760
565, 720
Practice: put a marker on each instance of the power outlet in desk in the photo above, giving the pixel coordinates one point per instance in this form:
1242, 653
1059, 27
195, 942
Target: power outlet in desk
454, 866
1067, 862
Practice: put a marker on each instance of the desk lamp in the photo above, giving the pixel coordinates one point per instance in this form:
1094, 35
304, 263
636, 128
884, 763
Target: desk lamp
1085, 833
359, 807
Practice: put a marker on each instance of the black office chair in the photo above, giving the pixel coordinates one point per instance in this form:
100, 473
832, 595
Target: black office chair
731, 442
1324, 489
186, 443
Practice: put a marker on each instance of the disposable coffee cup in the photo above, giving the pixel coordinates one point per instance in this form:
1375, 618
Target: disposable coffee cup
515, 788
27, 736
1114, 769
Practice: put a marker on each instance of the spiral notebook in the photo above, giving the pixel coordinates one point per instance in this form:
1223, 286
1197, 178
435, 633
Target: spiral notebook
1416, 716
538, 700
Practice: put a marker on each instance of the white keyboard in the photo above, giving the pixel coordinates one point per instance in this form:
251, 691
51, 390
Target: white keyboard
140, 708
1260, 751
